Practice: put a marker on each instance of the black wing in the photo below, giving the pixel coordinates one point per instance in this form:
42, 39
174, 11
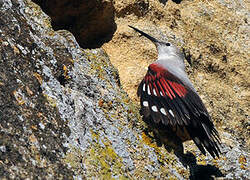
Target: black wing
171, 103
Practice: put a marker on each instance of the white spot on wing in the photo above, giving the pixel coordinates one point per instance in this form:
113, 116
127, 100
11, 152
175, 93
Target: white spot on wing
145, 103
163, 111
154, 108
161, 93
171, 112
144, 87
149, 93
154, 92
197, 140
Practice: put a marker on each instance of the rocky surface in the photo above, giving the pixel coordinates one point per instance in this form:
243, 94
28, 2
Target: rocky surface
215, 37
64, 115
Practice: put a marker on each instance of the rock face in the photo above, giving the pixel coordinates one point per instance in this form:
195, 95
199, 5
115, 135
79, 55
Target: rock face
64, 115
214, 36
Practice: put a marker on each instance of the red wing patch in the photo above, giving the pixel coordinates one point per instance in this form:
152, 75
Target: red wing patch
162, 95
169, 102
166, 84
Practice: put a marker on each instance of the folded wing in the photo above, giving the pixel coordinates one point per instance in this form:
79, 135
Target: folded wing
171, 103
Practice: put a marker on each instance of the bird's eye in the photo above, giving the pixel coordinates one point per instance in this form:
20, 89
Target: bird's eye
168, 44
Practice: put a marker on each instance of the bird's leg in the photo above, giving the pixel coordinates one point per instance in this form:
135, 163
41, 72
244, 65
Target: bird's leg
187, 160
173, 144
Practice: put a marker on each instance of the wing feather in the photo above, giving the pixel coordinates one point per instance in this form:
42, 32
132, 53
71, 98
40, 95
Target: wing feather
171, 103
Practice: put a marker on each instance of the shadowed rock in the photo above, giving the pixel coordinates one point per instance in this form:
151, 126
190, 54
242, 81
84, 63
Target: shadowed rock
91, 22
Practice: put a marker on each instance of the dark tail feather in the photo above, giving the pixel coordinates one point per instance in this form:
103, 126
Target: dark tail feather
205, 137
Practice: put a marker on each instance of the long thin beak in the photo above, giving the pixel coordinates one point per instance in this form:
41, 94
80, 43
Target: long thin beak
155, 41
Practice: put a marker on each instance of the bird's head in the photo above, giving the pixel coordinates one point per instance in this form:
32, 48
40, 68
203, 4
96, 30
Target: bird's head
165, 49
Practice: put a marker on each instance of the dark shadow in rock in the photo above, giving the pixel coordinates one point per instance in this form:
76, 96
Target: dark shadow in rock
177, 1
165, 1
197, 172
90, 21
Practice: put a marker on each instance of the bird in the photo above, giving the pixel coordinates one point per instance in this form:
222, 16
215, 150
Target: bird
171, 105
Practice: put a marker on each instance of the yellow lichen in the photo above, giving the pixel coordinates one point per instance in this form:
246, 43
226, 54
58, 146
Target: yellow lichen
74, 158
16, 50
18, 97
51, 100
65, 73
148, 141
243, 161
33, 127
33, 139
38, 77
201, 160
104, 158
29, 91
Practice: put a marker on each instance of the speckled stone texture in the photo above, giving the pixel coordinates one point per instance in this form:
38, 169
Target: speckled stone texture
64, 115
